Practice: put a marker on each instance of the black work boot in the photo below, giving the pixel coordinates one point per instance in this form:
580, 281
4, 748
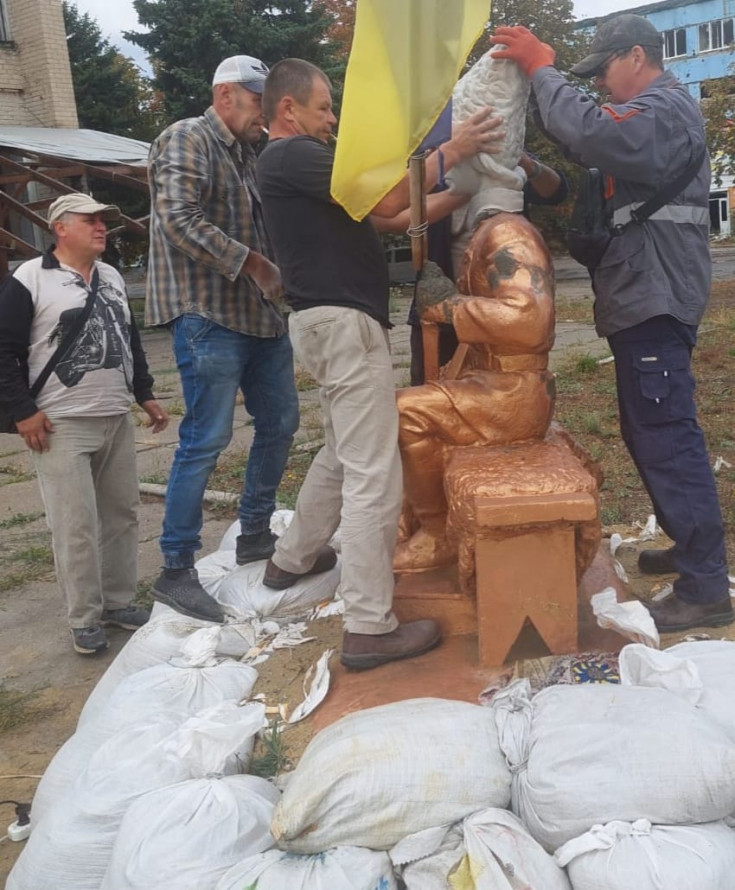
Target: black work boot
657, 562
673, 615
180, 589
251, 548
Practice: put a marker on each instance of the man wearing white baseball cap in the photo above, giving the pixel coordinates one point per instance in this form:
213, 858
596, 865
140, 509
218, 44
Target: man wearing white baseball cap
210, 281
71, 363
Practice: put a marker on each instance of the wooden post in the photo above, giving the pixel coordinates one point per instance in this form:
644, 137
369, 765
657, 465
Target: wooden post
417, 192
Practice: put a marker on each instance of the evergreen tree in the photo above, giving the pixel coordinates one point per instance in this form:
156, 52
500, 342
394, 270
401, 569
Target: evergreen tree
110, 92
187, 39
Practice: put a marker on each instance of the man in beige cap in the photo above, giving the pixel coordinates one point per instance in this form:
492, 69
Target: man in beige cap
210, 281
71, 363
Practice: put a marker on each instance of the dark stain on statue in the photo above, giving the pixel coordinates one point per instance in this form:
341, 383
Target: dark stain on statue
505, 266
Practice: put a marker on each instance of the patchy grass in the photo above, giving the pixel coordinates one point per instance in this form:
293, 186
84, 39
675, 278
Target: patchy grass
24, 556
143, 596
574, 310
159, 478
16, 708
296, 469
19, 519
10, 473
304, 380
586, 406
176, 408
269, 756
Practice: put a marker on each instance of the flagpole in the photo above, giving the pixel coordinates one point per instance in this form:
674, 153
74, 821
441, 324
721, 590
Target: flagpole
419, 254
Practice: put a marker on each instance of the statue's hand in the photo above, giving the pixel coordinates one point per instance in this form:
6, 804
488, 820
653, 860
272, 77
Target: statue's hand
433, 291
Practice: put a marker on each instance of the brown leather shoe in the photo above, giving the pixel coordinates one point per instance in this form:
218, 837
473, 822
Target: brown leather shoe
673, 615
657, 562
364, 651
280, 579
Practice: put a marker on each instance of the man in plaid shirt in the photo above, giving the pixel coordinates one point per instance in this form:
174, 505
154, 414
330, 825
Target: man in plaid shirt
211, 282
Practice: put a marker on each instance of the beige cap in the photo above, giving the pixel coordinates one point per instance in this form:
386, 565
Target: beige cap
245, 70
77, 202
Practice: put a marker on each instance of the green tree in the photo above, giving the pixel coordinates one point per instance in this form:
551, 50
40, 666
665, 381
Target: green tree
187, 39
718, 108
110, 92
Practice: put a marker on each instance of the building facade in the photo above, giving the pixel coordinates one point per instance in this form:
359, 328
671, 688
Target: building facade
35, 76
698, 38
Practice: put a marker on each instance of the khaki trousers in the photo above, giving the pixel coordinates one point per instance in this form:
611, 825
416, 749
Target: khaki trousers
356, 479
89, 486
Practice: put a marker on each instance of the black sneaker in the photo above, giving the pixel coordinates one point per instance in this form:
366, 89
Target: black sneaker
89, 640
180, 589
251, 548
129, 618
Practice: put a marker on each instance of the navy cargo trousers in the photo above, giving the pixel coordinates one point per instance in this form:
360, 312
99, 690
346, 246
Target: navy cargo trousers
659, 426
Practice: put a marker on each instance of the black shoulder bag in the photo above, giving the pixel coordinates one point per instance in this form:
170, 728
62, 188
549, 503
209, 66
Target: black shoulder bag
7, 424
591, 228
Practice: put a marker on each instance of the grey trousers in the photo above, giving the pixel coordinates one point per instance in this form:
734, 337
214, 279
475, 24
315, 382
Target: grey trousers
356, 478
89, 486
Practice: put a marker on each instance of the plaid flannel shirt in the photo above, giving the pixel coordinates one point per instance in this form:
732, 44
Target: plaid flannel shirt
205, 218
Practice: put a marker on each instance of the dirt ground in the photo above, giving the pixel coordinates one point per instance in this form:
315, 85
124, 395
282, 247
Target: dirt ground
43, 683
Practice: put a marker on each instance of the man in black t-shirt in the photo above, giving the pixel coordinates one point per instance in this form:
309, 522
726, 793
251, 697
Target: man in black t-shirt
336, 281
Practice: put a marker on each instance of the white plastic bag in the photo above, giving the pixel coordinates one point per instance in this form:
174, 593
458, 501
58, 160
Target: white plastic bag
641, 856
586, 754
186, 836
378, 775
342, 868
630, 619
177, 690
70, 848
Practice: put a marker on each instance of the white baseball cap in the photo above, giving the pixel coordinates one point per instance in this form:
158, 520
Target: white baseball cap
77, 202
245, 70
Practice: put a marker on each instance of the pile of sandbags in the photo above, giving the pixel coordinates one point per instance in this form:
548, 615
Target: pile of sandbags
71, 846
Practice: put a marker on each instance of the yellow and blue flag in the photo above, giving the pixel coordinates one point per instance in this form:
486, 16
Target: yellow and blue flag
405, 60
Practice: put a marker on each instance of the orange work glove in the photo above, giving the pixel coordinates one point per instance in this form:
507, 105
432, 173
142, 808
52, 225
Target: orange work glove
523, 48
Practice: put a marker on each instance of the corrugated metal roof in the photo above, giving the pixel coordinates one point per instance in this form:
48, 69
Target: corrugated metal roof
90, 146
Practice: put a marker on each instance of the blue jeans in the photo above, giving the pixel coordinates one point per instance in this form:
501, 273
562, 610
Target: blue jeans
214, 362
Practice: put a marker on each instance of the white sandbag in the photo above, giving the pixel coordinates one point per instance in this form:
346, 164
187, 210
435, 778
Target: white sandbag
213, 568
177, 689
429, 867
70, 848
378, 775
586, 754
156, 643
342, 868
491, 850
701, 672
502, 855
242, 591
186, 836
280, 521
641, 856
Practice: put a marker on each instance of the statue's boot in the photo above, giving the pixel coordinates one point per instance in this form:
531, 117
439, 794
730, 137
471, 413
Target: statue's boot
423, 552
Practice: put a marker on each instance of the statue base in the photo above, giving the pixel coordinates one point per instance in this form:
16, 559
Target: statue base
453, 670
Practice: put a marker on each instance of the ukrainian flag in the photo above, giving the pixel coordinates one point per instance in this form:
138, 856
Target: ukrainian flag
405, 60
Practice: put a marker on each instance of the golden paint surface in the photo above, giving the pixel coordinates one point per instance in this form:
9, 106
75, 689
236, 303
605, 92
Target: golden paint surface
502, 394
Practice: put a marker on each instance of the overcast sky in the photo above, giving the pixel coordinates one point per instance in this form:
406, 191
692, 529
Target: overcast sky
118, 16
